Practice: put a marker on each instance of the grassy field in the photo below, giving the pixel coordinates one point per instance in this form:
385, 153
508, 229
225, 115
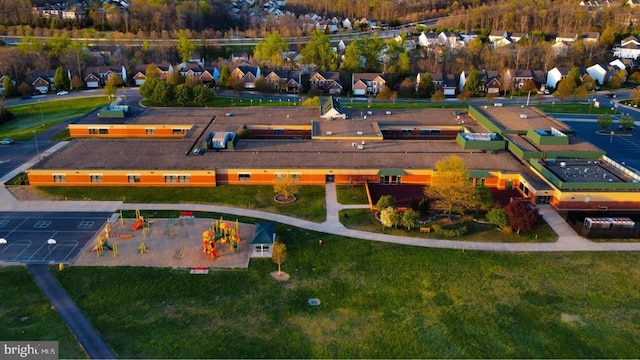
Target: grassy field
363, 219
349, 195
573, 108
377, 301
26, 314
31, 116
311, 204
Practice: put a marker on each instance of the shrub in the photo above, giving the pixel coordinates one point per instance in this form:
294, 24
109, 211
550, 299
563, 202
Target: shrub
385, 201
450, 232
498, 217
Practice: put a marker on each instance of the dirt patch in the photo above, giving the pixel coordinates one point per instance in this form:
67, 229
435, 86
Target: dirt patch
571, 319
282, 276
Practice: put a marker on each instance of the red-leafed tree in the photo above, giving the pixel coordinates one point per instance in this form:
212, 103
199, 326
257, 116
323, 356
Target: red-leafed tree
522, 216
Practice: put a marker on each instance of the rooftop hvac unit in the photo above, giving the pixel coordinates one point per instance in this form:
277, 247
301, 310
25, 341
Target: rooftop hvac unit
523, 116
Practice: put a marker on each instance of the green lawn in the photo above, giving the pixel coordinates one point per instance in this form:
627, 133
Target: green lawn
569, 107
31, 116
349, 195
378, 300
311, 203
363, 219
26, 314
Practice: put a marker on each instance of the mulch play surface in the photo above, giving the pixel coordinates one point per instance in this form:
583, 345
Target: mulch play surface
171, 243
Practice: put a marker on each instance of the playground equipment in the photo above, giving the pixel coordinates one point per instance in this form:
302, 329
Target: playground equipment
139, 221
143, 248
223, 231
102, 243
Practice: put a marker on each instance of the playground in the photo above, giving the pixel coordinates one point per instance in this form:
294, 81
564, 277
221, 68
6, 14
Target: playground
185, 242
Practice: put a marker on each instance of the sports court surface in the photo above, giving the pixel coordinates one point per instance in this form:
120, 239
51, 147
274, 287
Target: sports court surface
47, 237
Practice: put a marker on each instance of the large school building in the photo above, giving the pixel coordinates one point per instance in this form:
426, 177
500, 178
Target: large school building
505, 148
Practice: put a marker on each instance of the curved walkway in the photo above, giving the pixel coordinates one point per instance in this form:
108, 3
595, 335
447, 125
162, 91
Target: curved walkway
568, 239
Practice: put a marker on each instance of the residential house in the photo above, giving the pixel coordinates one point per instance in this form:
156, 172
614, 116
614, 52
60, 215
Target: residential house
326, 82
490, 81
519, 77
629, 48
209, 74
346, 23
590, 37
602, 73
190, 69
247, 75
555, 75
467, 36
364, 84
496, 35
2, 83
567, 37
97, 76
441, 81
517, 36
238, 57
278, 79
450, 39
427, 39
43, 81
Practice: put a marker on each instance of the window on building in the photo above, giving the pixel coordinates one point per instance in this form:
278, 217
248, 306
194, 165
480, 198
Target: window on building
170, 179
59, 178
133, 178
244, 177
184, 178
103, 131
150, 131
96, 178
283, 176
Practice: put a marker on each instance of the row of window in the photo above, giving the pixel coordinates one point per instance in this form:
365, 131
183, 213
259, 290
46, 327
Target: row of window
278, 176
148, 131
134, 178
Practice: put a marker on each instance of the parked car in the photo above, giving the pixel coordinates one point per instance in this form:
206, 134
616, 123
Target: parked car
63, 92
6, 141
611, 95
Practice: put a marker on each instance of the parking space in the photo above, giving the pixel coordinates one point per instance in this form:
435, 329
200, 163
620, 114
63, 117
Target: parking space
46, 237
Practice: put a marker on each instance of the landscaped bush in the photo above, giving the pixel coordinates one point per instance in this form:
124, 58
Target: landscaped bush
450, 232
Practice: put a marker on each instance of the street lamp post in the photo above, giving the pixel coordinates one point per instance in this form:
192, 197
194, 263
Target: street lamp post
35, 138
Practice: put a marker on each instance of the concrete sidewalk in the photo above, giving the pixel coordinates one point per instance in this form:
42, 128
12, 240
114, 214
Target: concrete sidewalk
568, 239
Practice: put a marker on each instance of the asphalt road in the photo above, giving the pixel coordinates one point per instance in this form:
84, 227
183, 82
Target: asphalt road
16, 154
